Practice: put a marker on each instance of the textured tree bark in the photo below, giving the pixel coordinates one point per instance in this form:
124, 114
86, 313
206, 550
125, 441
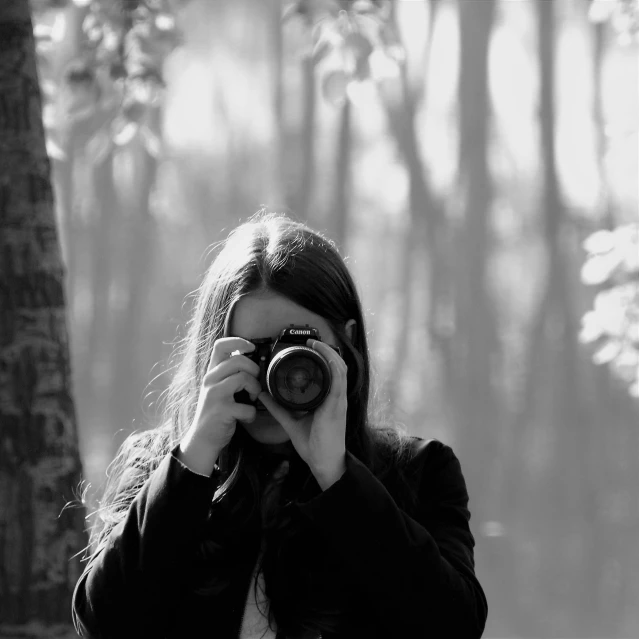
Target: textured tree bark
39, 459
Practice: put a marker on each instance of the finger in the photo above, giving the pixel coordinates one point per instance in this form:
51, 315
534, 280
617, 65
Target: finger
243, 412
337, 367
240, 381
343, 379
326, 351
339, 379
228, 367
223, 347
336, 393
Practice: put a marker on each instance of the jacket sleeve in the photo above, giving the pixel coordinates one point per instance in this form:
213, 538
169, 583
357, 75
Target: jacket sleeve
416, 572
145, 560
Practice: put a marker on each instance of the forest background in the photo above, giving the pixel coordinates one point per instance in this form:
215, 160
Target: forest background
460, 153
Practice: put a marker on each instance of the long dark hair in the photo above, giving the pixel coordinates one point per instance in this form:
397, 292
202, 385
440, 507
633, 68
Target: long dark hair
274, 253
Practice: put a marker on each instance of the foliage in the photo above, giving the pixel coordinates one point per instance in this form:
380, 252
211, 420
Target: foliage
350, 42
622, 14
613, 323
613, 256
113, 79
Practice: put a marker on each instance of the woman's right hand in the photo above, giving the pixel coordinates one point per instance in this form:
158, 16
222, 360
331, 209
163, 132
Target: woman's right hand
217, 411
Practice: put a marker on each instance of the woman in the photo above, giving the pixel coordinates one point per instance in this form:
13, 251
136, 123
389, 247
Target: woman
240, 517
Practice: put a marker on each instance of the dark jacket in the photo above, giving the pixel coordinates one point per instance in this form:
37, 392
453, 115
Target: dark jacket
411, 574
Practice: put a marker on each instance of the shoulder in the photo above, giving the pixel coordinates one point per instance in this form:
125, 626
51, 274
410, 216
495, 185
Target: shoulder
406, 453
430, 453
421, 469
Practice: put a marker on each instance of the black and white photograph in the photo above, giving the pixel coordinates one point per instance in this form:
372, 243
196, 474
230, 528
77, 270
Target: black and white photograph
319, 319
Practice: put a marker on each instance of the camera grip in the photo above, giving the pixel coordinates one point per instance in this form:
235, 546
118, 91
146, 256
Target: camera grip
243, 397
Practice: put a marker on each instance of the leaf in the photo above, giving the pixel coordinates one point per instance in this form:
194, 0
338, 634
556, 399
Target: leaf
381, 66
626, 364
607, 352
49, 89
110, 42
321, 50
123, 130
334, 86
99, 146
600, 267
42, 32
627, 233
55, 151
152, 142
290, 11
631, 259
361, 92
600, 10
165, 22
49, 114
396, 52
627, 237
364, 6
591, 328
599, 242
610, 307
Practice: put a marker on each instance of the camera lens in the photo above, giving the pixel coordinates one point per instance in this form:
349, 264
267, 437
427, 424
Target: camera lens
299, 378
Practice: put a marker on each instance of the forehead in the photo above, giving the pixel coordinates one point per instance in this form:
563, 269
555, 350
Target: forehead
260, 315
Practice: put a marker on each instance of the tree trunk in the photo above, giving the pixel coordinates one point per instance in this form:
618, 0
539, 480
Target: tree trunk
128, 374
39, 459
475, 402
101, 236
304, 196
599, 48
338, 220
277, 69
567, 479
62, 170
476, 341
426, 220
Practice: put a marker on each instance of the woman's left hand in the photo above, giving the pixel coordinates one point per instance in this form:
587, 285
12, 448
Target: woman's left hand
319, 436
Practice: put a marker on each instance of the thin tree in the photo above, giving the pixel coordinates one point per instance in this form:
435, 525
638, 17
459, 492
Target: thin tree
39, 458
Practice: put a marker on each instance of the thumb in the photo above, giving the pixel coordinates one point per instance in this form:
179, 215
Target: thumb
279, 412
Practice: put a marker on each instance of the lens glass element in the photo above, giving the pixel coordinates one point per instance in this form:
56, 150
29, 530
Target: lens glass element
299, 377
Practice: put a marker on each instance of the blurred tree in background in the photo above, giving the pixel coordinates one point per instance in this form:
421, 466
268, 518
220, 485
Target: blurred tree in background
474, 159
39, 457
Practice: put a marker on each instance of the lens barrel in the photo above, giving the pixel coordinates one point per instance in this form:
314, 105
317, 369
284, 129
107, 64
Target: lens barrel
299, 378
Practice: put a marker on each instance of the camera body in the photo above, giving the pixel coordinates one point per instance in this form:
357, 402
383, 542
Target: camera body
296, 376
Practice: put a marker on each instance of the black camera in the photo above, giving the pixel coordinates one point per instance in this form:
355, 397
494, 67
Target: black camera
296, 376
